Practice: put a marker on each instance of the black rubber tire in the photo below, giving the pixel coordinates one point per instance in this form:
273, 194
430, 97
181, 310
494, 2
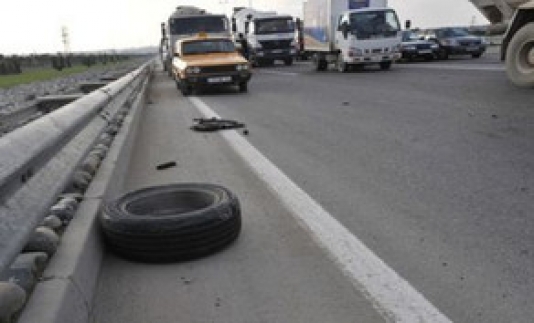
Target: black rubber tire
385, 66
320, 64
288, 61
243, 87
176, 222
186, 90
443, 54
477, 55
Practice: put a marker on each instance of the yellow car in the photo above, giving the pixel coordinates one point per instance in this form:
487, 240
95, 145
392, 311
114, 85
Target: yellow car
209, 61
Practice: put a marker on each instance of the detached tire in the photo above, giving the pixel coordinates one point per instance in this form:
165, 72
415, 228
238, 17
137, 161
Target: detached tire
172, 223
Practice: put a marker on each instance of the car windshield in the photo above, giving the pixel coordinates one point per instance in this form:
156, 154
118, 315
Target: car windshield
207, 46
451, 32
409, 36
374, 24
271, 26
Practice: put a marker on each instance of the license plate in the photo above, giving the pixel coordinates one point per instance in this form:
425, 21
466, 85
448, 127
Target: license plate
277, 51
425, 51
221, 79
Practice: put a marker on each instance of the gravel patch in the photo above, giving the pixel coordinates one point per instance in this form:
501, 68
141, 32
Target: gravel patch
18, 97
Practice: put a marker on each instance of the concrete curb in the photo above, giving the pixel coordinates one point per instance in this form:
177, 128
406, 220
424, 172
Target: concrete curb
66, 291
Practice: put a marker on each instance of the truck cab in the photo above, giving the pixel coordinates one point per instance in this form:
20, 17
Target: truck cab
264, 36
189, 21
368, 36
351, 33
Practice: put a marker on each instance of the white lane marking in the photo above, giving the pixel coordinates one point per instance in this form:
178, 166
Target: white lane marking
391, 295
456, 67
279, 73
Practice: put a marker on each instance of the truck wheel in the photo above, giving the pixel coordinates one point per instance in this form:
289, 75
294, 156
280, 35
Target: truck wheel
171, 223
520, 57
341, 65
385, 65
320, 63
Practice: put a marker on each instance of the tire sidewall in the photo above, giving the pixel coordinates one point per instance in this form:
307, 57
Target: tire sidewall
522, 36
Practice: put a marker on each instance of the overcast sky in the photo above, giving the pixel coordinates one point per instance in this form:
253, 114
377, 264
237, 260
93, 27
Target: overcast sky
34, 26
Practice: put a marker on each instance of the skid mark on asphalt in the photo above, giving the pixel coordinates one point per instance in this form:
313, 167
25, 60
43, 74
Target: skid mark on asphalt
391, 294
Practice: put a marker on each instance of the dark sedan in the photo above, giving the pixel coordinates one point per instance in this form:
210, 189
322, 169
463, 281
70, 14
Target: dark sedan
413, 47
456, 41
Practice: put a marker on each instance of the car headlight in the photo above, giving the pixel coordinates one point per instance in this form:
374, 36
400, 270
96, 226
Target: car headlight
241, 67
192, 70
434, 46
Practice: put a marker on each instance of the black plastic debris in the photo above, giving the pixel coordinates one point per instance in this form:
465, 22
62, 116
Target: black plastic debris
166, 165
214, 124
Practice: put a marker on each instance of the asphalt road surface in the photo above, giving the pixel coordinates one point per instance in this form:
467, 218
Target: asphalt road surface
431, 165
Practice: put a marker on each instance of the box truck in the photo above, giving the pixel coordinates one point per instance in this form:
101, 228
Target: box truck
188, 21
265, 36
517, 50
351, 33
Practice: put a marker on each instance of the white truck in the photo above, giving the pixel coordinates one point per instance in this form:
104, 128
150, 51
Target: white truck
188, 21
351, 33
265, 36
517, 17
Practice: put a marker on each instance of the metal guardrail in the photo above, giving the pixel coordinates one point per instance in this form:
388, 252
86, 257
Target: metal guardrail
37, 160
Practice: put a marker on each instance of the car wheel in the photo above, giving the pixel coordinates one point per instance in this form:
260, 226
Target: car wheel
243, 87
385, 65
186, 89
288, 61
171, 223
477, 55
443, 54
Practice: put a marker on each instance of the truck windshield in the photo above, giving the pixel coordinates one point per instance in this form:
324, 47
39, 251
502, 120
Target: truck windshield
208, 46
374, 24
273, 26
195, 25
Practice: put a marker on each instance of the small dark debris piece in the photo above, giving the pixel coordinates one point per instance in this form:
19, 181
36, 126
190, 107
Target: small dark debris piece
166, 165
494, 116
346, 103
245, 132
214, 124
